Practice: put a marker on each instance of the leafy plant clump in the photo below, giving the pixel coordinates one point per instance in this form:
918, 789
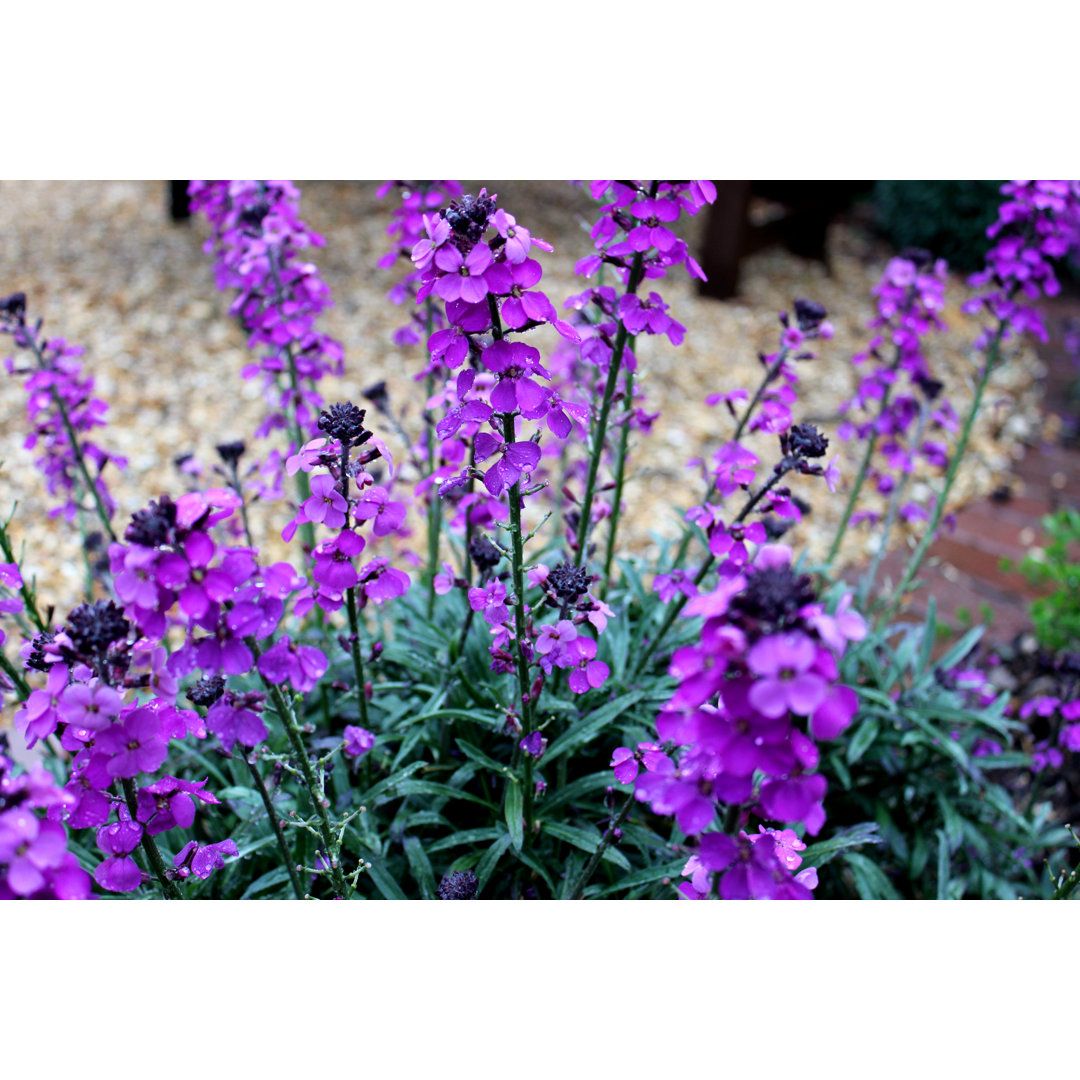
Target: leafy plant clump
520, 710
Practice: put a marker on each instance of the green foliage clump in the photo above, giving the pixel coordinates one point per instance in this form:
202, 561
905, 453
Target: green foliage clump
1057, 616
947, 217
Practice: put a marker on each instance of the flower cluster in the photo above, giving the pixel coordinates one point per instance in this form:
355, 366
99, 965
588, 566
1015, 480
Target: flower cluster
97, 663
1037, 224
331, 504
35, 863
754, 696
911, 295
258, 239
406, 230
61, 409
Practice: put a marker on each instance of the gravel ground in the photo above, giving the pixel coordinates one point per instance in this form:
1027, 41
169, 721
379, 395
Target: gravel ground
104, 267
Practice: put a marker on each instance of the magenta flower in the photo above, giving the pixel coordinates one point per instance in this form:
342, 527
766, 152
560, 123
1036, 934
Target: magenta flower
233, 720
379, 581
358, 741
170, 803
517, 457
492, 602
31, 848
333, 560
119, 872
326, 504
203, 860
134, 745
375, 504
784, 661
300, 665
590, 673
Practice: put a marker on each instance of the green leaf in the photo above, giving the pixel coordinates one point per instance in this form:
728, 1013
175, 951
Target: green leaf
476, 754
863, 738
591, 726
586, 840
387, 886
533, 863
430, 787
468, 836
420, 866
870, 881
486, 866
277, 876
641, 877
855, 836
942, 865
514, 814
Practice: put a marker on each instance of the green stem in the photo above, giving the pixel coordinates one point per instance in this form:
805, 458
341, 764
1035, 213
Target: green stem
275, 824
157, 863
517, 563
992, 356
605, 843
16, 677
867, 582
315, 793
600, 431
29, 595
699, 577
620, 473
357, 659
76, 449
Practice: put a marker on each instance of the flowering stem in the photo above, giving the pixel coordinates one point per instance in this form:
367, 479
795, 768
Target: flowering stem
620, 472
76, 449
770, 375
890, 518
605, 843
600, 430
350, 600
318, 798
434, 502
864, 468
275, 824
517, 562
153, 856
992, 356
699, 577
357, 659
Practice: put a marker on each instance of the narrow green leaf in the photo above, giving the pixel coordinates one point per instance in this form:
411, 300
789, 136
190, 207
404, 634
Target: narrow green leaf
486, 866
474, 753
642, 877
820, 853
870, 881
387, 886
863, 739
420, 866
514, 819
586, 840
468, 836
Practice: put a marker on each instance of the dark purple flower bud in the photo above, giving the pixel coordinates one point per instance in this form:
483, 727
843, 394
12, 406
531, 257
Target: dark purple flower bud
930, 387
230, 452
344, 422
206, 691
460, 885
808, 315
774, 595
35, 658
92, 628
13, 308
378, 396
805, 441
484, 553
568, 581
153, 526
919, 256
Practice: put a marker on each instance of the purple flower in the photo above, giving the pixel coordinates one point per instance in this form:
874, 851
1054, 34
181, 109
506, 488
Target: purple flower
170, 803
136, 744
375, 503
326, 504
333, 560
358, 741
517, 457
119, 872
203, 860
300, 665
233, 719
491, 601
